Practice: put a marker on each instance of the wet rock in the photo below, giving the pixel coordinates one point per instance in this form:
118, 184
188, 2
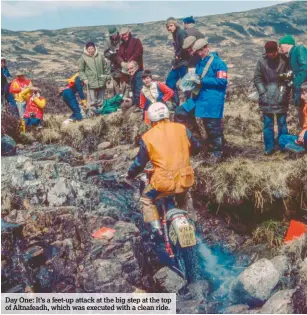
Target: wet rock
279, 303
236, 309
255, 285
104, 145
190, 307
168, 280
281, 264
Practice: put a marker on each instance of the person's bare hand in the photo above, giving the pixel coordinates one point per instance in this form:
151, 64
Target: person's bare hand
85, 82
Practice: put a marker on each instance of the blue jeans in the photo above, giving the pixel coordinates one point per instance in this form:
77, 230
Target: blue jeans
268, 129
71, 101
173, 77
32, 122
287, 142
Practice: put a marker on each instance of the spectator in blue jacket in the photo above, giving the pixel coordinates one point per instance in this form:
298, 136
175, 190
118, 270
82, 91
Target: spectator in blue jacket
181, 58
298, 65
75, 85
207, 101
5, 86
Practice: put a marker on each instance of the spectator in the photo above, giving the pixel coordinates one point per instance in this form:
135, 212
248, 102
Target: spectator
181, 58
273, 97
18, 85
69, 97
298, 143
153, 92
298, 64
35, 108
208, 98
94, 72
130, 49
111, 49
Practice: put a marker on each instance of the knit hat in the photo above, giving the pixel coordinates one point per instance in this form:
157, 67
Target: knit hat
270, 46
124, 30
146, 73
288, 39
188, 42
112, 30
89, 44
200, 43
171, 20
189, 20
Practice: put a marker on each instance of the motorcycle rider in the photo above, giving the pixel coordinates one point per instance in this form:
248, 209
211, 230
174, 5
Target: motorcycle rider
168, 146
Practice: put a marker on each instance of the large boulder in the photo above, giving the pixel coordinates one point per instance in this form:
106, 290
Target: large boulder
168, 280
255, 285
279, 303
281, 264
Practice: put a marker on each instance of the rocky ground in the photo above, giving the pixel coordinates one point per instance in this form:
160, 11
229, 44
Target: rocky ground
54, 198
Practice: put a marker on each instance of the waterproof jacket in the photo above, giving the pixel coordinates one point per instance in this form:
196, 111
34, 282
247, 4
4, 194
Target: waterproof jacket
111, 48
156, 92
17, 86
136, 87
181, 57
298, 65
95, 69
210, 101
191, 30
131, 50
35, 106
76, 85
168, 146
273, 97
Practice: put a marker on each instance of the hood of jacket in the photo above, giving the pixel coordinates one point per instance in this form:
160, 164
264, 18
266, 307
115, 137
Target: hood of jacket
87, 54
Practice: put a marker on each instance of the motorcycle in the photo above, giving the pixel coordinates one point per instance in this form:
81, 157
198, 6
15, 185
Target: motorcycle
176, 242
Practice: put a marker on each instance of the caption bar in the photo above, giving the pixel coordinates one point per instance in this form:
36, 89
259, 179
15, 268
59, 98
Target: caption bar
82, 303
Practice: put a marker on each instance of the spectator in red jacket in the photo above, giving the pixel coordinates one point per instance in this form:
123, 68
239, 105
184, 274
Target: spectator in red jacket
153, 92
131, 49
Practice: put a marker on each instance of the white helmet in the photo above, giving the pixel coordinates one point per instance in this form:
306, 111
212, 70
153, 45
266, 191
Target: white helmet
158, 111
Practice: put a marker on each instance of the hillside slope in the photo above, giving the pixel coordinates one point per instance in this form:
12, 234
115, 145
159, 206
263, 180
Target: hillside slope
238, 38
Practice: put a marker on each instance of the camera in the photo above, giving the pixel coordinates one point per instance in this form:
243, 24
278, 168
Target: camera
286, 78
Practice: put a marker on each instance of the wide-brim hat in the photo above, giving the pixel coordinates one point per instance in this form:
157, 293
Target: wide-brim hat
124, 30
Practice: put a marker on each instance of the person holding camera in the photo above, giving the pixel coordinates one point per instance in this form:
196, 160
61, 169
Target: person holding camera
273, 93
111, 48
297, 55
35, 108
181, 58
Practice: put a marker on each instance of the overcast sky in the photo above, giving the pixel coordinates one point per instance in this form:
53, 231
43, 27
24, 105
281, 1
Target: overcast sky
32, 15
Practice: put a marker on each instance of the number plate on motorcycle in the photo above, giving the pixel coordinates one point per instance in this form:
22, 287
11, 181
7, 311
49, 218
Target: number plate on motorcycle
186, 235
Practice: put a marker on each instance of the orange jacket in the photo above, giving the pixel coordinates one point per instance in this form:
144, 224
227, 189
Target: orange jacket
168, 148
